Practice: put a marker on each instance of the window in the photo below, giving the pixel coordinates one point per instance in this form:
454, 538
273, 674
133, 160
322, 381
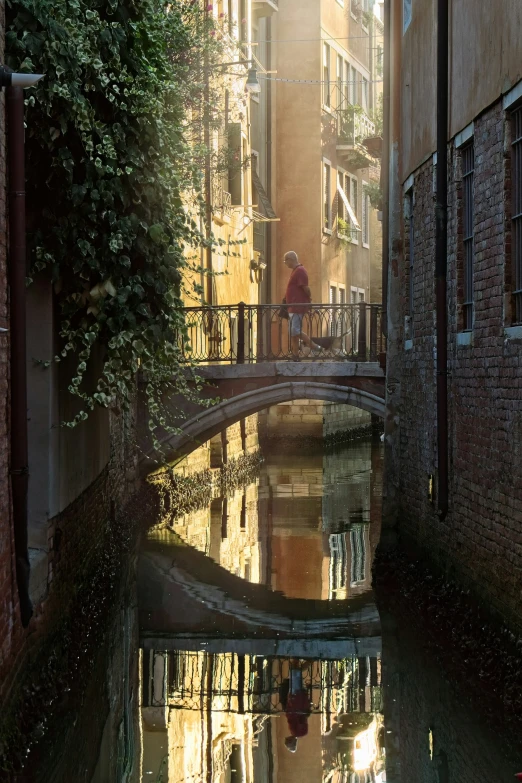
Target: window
365, 94
406, 14
468, 166
353, 85
326, 75
327, 198
358, 551
338, 563
356, 297
349, 185
340, 73
365, 218
516, 219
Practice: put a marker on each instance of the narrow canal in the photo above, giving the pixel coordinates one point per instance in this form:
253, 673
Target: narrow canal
259, 640
265, 658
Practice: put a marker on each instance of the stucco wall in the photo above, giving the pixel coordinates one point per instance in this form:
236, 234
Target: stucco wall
484, 64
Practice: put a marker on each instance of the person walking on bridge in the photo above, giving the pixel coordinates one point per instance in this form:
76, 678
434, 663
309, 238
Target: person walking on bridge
298, 298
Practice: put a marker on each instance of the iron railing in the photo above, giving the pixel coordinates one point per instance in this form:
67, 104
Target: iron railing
257, 684
239, 334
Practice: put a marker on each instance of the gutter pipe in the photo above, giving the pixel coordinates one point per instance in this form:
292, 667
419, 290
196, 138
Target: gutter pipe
17, 273
441, 257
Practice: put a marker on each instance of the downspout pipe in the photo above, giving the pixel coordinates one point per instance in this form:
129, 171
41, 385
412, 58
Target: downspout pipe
17, 275
441, 255
385, 165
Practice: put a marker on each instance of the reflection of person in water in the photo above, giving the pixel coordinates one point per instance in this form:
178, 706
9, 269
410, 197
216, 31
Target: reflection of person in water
297, 705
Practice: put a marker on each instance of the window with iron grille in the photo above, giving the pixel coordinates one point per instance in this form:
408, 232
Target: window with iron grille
516, 219
327, 198
468, 168
326, 75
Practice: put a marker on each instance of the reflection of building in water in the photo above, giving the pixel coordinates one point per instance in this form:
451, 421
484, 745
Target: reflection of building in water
228, 532
308, 528
205, 717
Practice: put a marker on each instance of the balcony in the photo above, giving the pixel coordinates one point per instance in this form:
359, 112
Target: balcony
221, 202
353, 129
265, 7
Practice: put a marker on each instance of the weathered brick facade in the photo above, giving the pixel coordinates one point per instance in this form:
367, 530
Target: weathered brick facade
480, 540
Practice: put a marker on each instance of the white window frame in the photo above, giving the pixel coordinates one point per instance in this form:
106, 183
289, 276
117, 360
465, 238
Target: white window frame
326, 229
365, 204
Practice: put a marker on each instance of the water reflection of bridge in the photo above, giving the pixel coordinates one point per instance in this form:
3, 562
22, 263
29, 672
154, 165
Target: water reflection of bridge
256, 684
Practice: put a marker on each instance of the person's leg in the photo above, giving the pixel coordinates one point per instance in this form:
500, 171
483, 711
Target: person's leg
296, 322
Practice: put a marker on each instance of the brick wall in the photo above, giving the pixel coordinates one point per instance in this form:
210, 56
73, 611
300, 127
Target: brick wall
480, 541
420, 699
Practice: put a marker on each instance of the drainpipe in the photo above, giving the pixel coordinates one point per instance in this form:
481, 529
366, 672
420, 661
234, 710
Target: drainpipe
385, 166
441, 257
17, 274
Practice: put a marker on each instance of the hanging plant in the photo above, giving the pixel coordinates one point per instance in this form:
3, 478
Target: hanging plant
113, 183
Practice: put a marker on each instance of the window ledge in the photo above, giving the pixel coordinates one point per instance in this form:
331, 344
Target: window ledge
513, 332
327, 231
366, 245
464, 338
408, 345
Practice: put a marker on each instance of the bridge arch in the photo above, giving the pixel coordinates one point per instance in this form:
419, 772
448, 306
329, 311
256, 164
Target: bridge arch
204, 425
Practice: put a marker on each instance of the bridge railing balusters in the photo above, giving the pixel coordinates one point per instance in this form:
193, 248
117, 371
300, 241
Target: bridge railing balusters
242, 333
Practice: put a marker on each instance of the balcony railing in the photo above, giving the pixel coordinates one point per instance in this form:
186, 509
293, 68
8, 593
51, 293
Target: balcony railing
221, 200
354, 128
239, 334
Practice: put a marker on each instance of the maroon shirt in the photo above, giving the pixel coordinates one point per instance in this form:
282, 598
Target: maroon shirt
294, 291
297, 711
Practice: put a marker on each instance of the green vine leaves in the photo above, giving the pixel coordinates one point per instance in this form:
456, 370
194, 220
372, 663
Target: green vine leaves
108, 172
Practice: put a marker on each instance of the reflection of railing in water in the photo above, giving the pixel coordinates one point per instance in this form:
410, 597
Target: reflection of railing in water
256, 333
256, 684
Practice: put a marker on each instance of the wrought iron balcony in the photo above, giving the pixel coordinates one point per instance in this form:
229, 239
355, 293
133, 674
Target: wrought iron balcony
221, 200
238, 334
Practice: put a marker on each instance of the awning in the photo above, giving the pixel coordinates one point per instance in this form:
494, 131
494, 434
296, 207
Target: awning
267, 213
349, 208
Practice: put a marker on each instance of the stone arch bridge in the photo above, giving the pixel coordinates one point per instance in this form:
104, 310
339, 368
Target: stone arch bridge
245, 389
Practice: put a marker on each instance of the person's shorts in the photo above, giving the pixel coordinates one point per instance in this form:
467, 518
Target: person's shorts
296, 324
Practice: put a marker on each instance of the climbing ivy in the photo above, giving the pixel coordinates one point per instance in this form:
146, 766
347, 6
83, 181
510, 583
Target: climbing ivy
114, 188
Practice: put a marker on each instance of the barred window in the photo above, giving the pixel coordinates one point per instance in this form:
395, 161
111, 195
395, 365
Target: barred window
516, 219
468, 213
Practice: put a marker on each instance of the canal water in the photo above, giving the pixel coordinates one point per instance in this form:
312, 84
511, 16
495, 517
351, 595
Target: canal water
267, 657
253, 644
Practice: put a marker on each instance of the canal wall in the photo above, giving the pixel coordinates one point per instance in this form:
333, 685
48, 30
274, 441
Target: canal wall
479, 541
314, 420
